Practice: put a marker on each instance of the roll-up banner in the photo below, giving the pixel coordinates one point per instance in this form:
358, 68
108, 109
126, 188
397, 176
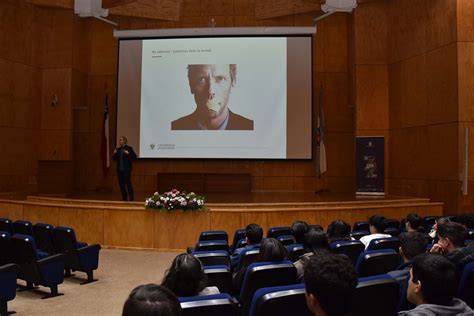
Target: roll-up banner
370, 165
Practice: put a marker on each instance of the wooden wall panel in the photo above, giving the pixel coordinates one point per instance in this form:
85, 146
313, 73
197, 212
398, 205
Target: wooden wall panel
11, 211
441, 21
466, 80
227, 221
465, 20
136, 232
56, 82
41, 214
335, 43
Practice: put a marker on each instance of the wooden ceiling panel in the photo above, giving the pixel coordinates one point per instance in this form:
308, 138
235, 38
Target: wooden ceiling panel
115, 3
65, 4
266, 9
168, 10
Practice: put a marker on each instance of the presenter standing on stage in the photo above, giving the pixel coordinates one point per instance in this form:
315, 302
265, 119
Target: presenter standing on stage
124, 156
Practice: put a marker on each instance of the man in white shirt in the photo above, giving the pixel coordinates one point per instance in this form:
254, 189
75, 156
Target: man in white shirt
377, 227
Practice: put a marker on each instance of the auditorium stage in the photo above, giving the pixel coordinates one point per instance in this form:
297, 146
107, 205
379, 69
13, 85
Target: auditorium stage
99, 218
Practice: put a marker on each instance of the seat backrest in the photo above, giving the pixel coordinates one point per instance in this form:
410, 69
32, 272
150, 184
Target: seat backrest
214, 235
212, 258
280, 301
351, 248
219, 276
275, 232
286, 239
360, 226
218, 304
392, 223
295, 251
5, 248
241, 243
210, 245
466, 286
25, 255
246, 258
265, 274
238, 235
470, 234
377, 295
44, 236
65, 239
373, 262
392, 231
23, 227
384, 243
428, 221
6, 225
358, 234
8, 274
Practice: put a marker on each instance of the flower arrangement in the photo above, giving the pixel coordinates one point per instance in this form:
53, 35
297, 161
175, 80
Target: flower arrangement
176, 200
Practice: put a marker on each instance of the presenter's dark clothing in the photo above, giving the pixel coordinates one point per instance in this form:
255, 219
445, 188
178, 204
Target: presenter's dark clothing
191, 122
124, 171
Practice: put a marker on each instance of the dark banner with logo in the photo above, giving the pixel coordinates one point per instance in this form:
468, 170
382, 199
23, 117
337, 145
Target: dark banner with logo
370, 165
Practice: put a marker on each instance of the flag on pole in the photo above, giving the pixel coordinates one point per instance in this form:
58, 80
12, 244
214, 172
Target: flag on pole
104, 146
320, 137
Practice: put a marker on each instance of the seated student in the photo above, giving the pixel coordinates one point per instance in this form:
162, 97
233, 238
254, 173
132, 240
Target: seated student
339, 230
376, 227
315, 243
253, 236
299, 229
451, 244
413, 223
432, 287
271, 250
186, 277
434, 230
150, 300
330, 283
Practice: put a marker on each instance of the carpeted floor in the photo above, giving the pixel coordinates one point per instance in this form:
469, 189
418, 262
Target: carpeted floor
119, 272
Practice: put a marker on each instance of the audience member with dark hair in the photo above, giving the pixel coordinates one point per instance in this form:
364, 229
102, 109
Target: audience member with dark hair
151, 300
432, 287
186, 277
271, 250
253, 237
376, 227
315, 243
466, 220
434, 230
451, 244
413, 223
299, 229
330, 283
339, 230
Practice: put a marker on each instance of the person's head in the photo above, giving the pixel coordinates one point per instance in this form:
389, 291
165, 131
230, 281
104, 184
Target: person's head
413, 221
150, 300
315, 241
451, 235
272, 250
254, 234
440, 221
330, 281
123, 140
466, 220
377, 224
433, 280
412, 244
338, 230
186, 276
211, 85
298, 229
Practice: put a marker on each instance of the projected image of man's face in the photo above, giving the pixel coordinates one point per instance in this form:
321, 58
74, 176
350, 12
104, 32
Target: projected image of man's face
211, 86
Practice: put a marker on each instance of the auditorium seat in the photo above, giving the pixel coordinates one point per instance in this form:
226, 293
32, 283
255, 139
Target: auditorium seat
375, 295
470, 234
265, 274
8, 275
44, 236
392, 231
428, 221
217, 304
295, 251
358, 234
23, 227
315, 227
280, 301
246, 258
5, 249
211, 245
360, 226
239, 234
219, 276
384, 243
6, 225
212, 258
286, 239
392, 223
275, 232
373, 262
240, 244
48, 272
351, 248
84, 259
214, 235
466, 285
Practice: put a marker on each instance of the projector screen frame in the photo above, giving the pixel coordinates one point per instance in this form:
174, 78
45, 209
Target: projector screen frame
220, 33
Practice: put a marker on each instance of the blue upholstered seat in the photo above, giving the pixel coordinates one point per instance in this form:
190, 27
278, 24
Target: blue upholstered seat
211, 245
214, 235
211, 258
275, 232
286, 239
358, 234
295, 251
351, 248
466, 286
239, 234
217, 304
219, 276
44, 236
384, 243
373, 262
23, 227
8, 275
78, 257
280, 301
6, 225
360, 226
6, 255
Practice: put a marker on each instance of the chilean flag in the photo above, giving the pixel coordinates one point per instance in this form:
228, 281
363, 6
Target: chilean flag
104, 144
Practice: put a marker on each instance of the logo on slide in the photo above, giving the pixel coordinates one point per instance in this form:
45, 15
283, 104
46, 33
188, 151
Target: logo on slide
152, 146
